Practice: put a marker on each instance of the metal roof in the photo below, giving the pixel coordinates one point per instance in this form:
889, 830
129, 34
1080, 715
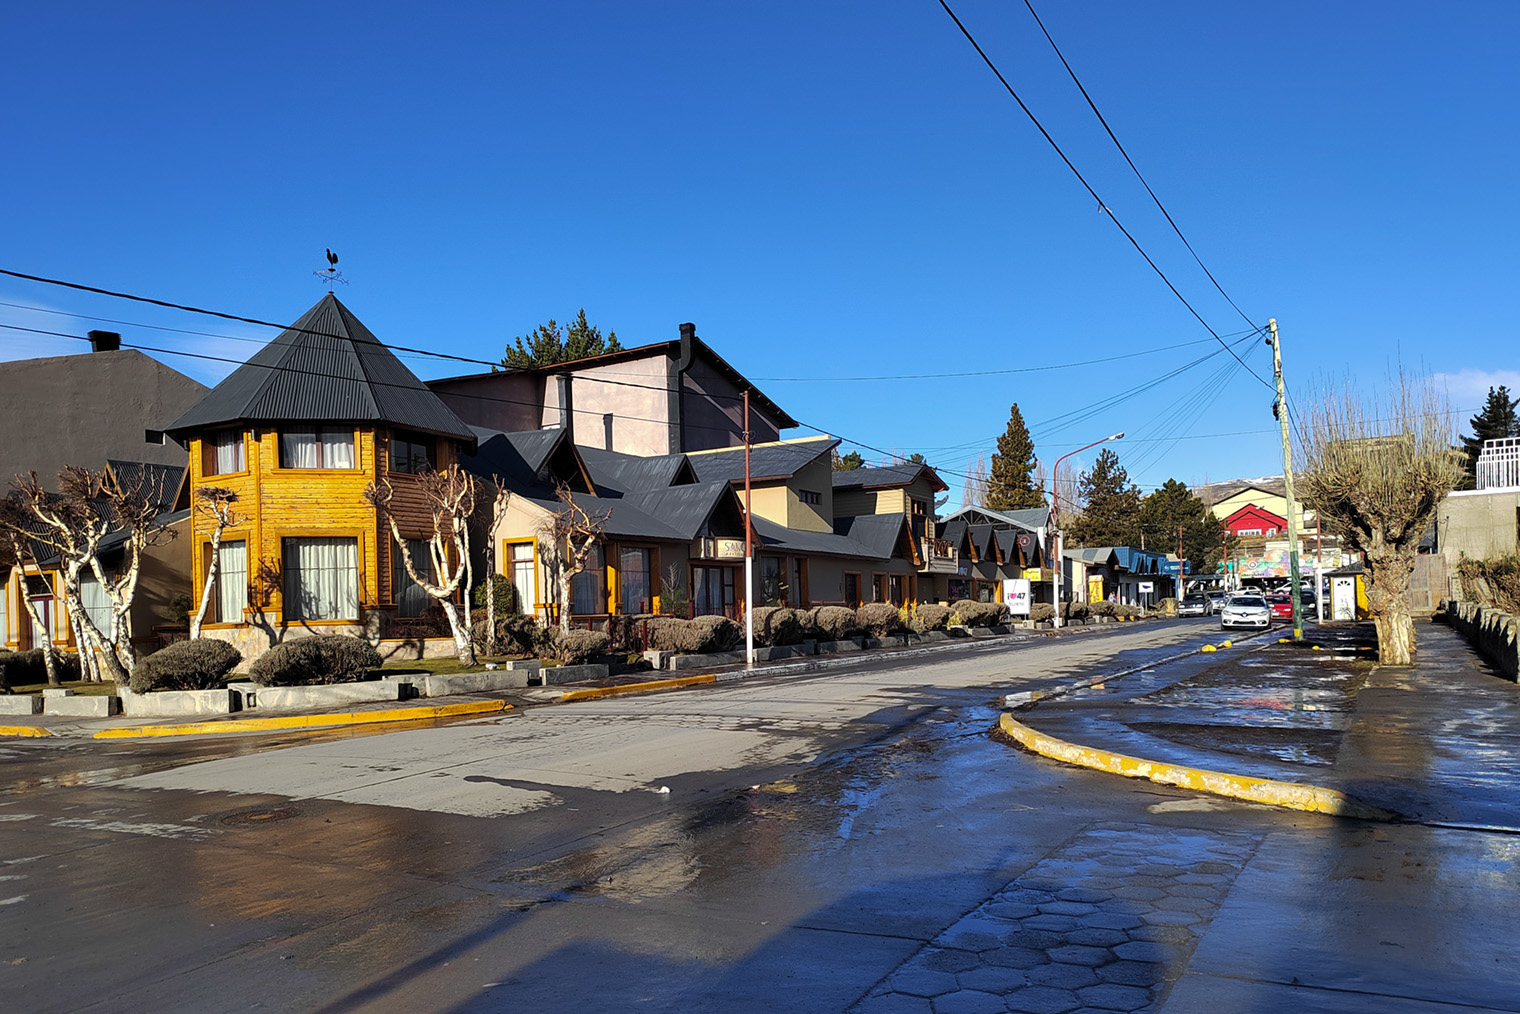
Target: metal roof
326, 367
614, 470
885, 476
800, 540
683, 508
879, 533
522, 459
1032, 518
779, 460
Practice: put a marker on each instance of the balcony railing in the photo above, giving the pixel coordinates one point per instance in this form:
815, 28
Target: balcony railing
940, 556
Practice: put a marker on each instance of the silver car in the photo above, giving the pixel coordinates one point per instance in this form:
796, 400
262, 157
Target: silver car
1245, 611
1193, 605
1216, 600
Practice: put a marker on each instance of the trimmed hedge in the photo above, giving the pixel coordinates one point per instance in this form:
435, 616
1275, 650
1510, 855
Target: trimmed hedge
515, 635
314, 661
1102, 607
929, 617
719, 633
879, 619
981, 614
1074, 611
577, 647
202, 664
1041, 612
776, 625
506, 595
700, 636
835, 623
21, 668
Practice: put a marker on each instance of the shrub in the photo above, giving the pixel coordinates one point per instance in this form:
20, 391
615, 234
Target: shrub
506, 595
515, 635
879, 619
577, 647
719, 633
314, 661
1041, 612
1127, 611
20, 668
979, 614
1101, 608
1074, 610
777, 625
202, 664
835, 623
929, 617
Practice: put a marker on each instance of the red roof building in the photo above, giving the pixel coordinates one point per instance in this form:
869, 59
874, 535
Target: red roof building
1259, 522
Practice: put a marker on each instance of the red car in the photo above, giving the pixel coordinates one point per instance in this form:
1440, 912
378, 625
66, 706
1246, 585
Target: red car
1282, 606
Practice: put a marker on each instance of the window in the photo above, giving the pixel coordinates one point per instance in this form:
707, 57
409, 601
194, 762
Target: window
153, 436
520, 570
919, 518
771, 589
321, 579
5, 619
39, 592
712, 591
635, 582
797, 595
412, 452
588, 589
411, 598
896, 590
231, 581
222, 454
317, 447
808, 496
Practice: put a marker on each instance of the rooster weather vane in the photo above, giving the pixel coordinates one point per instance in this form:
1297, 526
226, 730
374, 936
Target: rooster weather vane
331, 274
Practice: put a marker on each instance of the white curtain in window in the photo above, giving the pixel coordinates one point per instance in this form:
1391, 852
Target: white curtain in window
411, 600
298, 449
337, 449
97, 604
321, 579
634, 580
231, 581
229, 453
522, 576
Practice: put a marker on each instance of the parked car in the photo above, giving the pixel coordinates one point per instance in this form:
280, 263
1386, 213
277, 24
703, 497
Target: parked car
1282, 606
1216, 600
1193, 605
1245, 611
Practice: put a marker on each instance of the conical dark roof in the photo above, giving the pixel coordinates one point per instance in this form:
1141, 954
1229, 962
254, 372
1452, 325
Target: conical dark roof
326, 367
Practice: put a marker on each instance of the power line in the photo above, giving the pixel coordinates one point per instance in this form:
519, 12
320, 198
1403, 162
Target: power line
1143, 182
1083, 180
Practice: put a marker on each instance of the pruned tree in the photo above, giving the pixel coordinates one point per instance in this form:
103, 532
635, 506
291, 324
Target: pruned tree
16, 551
500, 501
218, 505
1376, 471
569, 536
72, 523
449, 496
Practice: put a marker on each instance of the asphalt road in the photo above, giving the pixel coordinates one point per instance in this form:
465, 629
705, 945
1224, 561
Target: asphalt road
789, 843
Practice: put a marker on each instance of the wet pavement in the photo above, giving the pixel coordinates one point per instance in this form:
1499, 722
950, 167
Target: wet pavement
854, 841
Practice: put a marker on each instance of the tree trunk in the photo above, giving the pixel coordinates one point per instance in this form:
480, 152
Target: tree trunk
565, 577
47, 644
1395, 631
1388, 572
464, 648
200, 613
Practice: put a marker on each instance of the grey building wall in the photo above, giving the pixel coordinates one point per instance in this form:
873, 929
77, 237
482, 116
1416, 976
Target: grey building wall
83, 409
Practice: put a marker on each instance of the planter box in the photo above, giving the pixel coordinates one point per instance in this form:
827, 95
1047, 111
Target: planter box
1495, 635
447, 685
835, 647
785, 651
572, 674
165, 703
97, 706
706, 661
958, 631
20, 704
336, 695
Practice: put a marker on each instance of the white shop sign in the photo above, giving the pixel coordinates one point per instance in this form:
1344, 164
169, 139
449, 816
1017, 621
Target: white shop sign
1016, 595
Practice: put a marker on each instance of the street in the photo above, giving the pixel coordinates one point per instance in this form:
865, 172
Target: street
844, 840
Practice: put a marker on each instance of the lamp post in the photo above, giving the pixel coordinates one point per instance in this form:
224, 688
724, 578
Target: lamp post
1055, 526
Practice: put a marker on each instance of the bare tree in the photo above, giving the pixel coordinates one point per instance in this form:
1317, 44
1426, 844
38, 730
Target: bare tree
569, 536
499, 503
88, 506
450, 498
974, 492
1376, 470
16, 551
216, 503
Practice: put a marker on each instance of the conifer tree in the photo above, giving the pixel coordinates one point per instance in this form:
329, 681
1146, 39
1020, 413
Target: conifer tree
1172, 507
1011, 485
547, 344
1111, 512
1498, 419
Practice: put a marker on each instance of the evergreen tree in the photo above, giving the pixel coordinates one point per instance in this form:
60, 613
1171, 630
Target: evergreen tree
1174, 507
1111, 512
547, 344
1011, 487
1498, 419
847, 462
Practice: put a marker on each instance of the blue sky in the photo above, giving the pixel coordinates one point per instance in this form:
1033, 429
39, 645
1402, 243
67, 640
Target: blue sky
829, 190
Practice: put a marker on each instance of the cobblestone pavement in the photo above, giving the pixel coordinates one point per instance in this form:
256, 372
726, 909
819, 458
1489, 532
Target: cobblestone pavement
1105, 923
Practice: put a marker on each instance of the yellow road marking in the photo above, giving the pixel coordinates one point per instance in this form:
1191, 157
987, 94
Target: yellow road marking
594, 693
308, 721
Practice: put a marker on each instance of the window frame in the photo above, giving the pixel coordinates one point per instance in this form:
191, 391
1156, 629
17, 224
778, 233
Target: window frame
210, 445
317, 432
412, 440
285, 538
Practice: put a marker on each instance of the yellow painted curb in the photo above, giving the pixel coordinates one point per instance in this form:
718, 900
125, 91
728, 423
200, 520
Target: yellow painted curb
1208, 647
1227, 644
34, 731
1310, 798
635, 688
308, 721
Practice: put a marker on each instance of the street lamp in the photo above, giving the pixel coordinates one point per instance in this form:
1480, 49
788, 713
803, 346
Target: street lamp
1055, 527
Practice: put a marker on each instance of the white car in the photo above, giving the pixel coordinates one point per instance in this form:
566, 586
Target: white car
1245, 611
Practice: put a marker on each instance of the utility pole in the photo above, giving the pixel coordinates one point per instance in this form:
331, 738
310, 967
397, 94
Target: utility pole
1280, 409
749, 552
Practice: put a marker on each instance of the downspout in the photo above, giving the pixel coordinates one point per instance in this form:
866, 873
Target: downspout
678, 388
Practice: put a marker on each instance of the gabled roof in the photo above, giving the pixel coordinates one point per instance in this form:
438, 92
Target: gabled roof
767, 462
168, 479
1032, 518
1251, 510
800, 540
1136, 561
881, 534
1218, 492
687, 508
982, 542
615, 472
326, 367
887, 476
527, 459
1018, 546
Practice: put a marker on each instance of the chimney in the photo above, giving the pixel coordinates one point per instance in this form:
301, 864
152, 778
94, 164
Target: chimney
677, 430
562, 383
104, 341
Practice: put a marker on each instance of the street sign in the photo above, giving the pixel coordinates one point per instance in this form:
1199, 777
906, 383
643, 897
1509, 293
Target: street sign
1147, 587
1170, 567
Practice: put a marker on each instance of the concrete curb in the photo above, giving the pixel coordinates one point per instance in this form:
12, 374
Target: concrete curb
596, 693
34, 731
307, 721
1293, 796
